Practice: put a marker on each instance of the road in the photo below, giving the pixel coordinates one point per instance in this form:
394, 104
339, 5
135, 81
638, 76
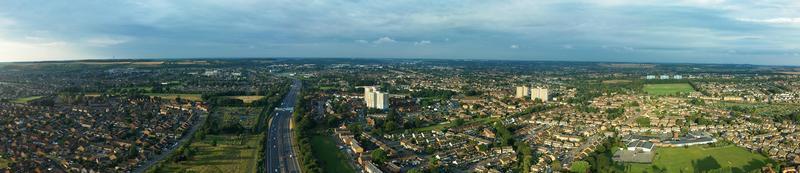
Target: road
280, 155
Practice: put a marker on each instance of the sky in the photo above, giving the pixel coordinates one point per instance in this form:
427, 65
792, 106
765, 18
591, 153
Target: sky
683, 31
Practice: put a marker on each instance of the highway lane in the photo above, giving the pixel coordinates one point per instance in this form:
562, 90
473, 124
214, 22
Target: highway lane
280, 155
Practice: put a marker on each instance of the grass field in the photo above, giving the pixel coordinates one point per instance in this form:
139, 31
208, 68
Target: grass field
701, 159
331, 158
192, 97
228, 156
247, 99
667, 89
25, 99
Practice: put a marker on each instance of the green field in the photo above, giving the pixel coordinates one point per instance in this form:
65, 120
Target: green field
228, 156
192, 97
25, 99
330, 157
667, 89
701, 159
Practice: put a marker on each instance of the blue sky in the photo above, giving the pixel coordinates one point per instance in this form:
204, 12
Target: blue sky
695, 31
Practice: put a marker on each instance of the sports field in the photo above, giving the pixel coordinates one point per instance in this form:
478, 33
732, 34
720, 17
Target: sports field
331, 158
667, 89
702, 159
230, 155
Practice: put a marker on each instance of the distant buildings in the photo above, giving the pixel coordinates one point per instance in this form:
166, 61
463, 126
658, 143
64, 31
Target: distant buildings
376, 99
663, 77
540, 93
522, 92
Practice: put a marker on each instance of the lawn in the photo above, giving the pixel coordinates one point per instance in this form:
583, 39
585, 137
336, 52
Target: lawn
246, 99
192, 97
667, 89
26, 99
702, 159
331, 158
228, 156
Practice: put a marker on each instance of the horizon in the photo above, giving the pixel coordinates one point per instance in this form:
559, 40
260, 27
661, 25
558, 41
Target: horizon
686, 31
389, 58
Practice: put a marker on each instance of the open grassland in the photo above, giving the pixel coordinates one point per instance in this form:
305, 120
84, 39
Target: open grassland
246, 99
702, 159
331, 158
192, 97
231, 154
667, 89
25, 99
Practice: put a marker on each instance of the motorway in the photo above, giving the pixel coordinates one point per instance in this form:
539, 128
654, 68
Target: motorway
280, 155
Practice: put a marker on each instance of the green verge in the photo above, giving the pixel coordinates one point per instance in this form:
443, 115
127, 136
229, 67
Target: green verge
330, 157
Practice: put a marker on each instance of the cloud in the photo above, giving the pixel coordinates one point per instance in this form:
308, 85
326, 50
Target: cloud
567, 46
662, 30
422, 43
104, 41
778, 20
383, 40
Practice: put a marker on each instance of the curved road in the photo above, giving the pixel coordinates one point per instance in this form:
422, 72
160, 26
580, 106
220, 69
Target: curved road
280, 155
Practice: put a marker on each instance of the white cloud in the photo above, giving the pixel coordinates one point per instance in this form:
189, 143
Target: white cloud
514, 46
362, 41
422, 43
778, 20
383, 40
567, 46
105, 41
23, 51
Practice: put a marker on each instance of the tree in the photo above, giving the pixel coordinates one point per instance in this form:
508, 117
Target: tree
556, 165
379, 156
580, 167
